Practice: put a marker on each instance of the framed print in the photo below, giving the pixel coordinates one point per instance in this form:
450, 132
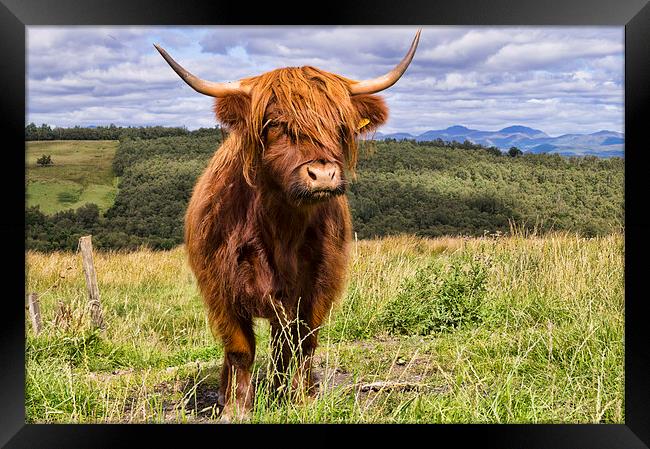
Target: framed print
422, 218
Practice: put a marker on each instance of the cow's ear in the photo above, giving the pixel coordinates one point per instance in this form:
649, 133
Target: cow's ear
233, 111
372, 110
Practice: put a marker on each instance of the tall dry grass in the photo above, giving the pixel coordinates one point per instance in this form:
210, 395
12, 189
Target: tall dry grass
523, 328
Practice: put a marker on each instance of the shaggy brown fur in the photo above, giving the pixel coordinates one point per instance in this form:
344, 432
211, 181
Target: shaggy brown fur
259, 241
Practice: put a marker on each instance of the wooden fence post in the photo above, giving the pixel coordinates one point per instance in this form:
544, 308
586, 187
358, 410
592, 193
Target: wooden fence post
86, 247
34, 312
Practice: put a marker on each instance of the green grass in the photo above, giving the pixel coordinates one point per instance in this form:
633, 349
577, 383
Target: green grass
82, 173
521, 329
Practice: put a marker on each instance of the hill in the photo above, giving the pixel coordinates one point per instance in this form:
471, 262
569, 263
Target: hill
401, 187
82, 173
602, 143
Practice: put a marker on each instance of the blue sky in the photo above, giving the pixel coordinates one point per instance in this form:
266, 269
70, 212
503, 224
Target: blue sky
557, 79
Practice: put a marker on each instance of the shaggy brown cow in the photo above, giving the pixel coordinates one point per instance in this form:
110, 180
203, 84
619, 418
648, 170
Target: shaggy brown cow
267, 228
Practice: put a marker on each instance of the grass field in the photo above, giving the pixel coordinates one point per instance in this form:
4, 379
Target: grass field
81, 174
520, 329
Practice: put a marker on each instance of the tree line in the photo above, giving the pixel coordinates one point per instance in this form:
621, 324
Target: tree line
423, 188
110, 132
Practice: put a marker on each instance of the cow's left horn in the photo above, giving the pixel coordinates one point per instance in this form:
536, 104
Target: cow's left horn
384, 82
199, 85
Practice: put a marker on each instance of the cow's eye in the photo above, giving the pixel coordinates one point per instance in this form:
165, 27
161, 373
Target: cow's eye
273, 130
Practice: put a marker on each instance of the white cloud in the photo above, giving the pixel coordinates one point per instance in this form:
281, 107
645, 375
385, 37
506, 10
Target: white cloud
611, 63
557, 79
543, 101
472, 45
545, 53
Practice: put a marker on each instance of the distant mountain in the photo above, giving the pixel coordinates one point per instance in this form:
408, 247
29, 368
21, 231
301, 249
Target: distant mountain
522, 130
396, 136
543, 148
602, 143
613, 141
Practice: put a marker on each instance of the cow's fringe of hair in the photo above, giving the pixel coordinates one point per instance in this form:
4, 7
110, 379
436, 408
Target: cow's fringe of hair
315, 105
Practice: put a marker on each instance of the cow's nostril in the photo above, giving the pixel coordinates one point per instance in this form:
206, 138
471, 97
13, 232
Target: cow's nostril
332, 175
311, 174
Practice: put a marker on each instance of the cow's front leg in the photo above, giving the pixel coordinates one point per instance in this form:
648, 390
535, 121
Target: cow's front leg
284, 350
236, 389
305, 378
294, 341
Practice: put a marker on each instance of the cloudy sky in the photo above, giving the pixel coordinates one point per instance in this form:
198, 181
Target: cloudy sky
557, 79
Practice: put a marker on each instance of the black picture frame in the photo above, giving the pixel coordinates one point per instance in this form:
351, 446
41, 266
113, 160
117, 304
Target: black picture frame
634, 15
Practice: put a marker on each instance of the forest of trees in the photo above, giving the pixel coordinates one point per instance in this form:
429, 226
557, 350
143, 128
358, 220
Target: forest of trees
424, 188
111, 132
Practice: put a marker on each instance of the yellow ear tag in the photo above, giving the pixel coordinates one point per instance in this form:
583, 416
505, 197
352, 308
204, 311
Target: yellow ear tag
362, 123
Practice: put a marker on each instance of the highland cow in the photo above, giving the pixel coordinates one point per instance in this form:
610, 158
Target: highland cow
268, 227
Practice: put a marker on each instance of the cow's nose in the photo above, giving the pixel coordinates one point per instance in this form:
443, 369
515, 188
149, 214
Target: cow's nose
321, 175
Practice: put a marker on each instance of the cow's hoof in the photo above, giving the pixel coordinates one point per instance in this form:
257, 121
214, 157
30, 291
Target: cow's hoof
234, 414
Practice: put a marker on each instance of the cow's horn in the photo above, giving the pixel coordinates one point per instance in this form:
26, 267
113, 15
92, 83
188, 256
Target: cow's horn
199, 85
383, 82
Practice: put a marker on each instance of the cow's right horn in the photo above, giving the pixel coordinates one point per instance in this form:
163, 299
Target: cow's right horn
205, 87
